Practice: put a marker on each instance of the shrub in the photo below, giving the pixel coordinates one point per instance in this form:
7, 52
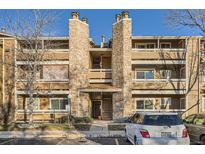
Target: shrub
81, 119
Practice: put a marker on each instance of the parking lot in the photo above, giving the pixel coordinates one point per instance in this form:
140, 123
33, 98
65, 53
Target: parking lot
65, 141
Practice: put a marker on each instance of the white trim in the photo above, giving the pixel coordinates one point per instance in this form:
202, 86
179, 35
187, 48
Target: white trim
46, 80
53, 62
154, 91
165, 43
45, 92
101, 49
100, 80
145, 98
159, 80
43, 111
159, 50
163, 37
100, 70
166, 62
47, 50
136, 44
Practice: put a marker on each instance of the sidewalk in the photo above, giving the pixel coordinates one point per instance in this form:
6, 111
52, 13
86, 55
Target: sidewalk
98, 129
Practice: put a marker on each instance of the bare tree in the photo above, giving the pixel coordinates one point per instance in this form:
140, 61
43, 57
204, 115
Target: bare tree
28, 31
195, 20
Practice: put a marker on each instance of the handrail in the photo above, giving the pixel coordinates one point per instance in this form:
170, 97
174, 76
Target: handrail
100, 70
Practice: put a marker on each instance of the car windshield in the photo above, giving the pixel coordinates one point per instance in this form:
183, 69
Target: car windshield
161, 120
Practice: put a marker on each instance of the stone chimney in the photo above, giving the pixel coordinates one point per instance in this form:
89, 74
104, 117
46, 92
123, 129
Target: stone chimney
85, 20
117, 17
103, 41
3, 30
125, 14
75, 15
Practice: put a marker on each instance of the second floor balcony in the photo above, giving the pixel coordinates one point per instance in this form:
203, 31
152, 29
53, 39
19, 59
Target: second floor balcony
100, 75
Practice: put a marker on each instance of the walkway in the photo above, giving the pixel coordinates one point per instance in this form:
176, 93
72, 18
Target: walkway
99, 128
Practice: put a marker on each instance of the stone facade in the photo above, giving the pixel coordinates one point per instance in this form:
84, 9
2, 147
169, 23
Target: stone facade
193, 103
121, 67
79, 66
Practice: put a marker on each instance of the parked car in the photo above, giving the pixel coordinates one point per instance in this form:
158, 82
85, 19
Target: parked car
196, 127
156, 128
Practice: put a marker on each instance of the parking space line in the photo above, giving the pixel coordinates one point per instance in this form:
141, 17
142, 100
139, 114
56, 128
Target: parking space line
7, 141
116, 141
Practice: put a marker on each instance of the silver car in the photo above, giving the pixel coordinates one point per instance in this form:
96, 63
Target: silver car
156, 128
196, 127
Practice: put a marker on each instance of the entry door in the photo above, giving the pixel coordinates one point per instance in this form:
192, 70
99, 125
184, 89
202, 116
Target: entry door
96, 109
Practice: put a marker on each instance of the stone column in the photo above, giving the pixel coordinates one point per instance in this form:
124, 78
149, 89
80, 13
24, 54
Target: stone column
78, 65
121, 65
192, 75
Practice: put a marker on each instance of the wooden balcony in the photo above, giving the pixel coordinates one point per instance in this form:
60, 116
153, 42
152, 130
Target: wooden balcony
54, 55
46, 85
159, 84
100, 75
157, 54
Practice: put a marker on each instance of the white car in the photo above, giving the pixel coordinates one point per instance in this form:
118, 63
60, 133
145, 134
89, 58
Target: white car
156, 128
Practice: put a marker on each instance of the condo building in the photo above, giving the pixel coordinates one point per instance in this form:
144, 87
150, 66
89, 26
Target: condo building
109, 81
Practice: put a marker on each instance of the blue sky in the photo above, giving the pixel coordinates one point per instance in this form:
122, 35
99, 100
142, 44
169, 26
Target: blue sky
145, 22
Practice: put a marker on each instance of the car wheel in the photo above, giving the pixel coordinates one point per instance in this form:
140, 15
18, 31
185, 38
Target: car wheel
202, 140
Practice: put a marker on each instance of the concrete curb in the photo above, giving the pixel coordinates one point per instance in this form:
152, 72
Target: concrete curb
60, 134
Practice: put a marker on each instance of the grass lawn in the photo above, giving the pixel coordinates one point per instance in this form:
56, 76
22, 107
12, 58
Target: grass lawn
116, 127
82, 127
42, 127
49, 127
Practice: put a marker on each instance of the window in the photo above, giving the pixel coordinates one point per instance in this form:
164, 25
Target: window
96, 62
182, 73
36, 103
162, 120
189, 119
199, 120
166, 101
165, 74
182, 104
203, 45
165, 45
145, 104
60, 104
145, 45
144, 74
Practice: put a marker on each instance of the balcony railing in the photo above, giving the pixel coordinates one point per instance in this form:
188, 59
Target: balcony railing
100, 75
161, 84
160, 49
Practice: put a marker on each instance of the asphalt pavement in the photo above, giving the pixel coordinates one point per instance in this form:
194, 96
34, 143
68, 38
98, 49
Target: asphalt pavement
65, 141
